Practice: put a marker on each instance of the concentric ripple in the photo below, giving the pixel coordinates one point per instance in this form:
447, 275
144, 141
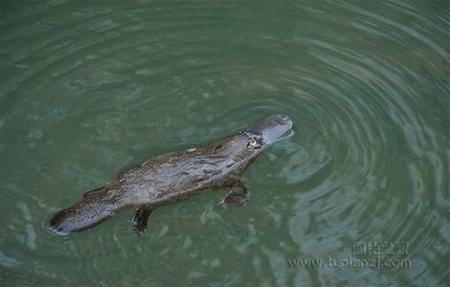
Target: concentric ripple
90, 88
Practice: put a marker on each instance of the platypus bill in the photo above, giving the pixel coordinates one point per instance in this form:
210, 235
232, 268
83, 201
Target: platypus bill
175, 177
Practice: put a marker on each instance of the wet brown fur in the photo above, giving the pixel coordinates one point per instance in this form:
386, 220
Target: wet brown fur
163, 180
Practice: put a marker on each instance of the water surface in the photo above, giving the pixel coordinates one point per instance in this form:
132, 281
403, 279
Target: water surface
87, 89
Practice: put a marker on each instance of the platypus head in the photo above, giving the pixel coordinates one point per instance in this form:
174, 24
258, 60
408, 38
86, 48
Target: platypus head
251, 142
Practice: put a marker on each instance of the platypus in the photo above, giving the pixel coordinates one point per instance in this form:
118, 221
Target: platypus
174, 177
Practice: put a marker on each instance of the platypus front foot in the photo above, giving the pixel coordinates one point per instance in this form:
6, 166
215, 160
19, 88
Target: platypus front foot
237, 196
140, 219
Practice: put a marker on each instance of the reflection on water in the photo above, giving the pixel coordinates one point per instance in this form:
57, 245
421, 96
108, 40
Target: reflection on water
88, 88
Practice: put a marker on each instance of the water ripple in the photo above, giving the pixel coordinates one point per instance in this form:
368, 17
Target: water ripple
88, 90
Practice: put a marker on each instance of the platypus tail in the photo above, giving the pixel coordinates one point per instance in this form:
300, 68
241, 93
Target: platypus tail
96, 206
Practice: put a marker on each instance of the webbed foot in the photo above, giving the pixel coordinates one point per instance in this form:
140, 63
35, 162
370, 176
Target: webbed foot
237, 196
140, 219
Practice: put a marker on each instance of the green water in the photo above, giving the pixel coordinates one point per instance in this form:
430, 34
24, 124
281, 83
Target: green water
90, 87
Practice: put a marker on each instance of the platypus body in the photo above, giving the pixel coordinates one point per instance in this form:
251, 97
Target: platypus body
174, 177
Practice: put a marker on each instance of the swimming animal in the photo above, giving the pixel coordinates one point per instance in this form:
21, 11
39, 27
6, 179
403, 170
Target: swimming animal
174, 177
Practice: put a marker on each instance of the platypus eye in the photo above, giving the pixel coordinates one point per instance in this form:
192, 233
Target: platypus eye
255, 140
253, 144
